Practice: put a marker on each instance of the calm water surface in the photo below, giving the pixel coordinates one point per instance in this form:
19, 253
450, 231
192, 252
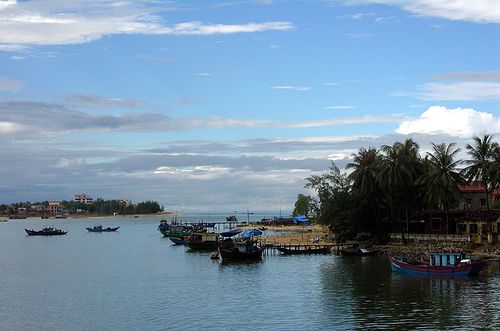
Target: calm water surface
135, 279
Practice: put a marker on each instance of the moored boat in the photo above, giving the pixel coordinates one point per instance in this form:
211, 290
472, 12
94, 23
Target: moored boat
178, 241
202, 240
240, 245
303, 249
174, 230
100, 228
358, 252
45, 232
240, 250
440, 263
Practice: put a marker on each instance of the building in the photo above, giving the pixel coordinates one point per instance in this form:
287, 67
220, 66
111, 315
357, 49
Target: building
472, 196
55, 207
83, 198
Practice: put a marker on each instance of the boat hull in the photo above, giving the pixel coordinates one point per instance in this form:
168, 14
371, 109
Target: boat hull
319, 250
234, 253
347, 252
103, 229
469, 269
45, 233
177, 241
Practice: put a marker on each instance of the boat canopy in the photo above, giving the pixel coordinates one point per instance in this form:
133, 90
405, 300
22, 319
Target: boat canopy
301, 219
247, 234
230, 233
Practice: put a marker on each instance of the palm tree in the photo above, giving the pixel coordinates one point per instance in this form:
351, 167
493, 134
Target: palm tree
363, 181
442, 177
479, 169
364, 175
398, 172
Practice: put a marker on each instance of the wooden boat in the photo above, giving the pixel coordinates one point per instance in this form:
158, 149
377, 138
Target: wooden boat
358, 252
440, 263
178, 241
307, 249
240, 250
202, 240
46, 232
174, 230
99, 228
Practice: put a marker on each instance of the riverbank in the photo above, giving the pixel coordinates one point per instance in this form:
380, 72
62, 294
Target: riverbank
297, 234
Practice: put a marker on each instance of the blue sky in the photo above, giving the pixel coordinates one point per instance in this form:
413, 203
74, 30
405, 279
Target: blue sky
224, 105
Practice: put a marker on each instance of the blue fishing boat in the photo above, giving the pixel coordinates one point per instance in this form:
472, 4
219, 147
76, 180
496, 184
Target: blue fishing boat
440, 263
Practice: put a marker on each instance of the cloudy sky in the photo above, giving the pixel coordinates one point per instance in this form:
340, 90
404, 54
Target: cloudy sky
229, 105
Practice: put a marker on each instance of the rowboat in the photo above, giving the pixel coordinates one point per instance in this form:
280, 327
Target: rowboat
441, 263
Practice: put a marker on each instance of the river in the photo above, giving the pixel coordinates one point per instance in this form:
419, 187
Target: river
135, 279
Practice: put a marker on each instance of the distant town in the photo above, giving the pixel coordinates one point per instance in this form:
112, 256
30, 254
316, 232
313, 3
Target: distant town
81, 204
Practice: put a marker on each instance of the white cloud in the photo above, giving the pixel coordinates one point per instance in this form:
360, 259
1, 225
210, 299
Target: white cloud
463, 122
52, 22
10, 85
460, 91
291, 88
340, 107
480, 11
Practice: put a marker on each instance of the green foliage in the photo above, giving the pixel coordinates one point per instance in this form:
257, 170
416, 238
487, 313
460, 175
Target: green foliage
395, 183
303, 205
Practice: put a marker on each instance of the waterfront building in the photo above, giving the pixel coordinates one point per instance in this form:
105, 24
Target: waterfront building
83, 198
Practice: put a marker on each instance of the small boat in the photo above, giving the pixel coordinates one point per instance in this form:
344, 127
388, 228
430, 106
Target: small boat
4, 220
178, 241
99, 228
359, 252
309, 249
202, 240
174, 230
46, 232
240, 250
440, 263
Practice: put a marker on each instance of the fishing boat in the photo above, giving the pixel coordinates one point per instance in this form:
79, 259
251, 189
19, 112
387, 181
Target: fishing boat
239, 245
240, 250
174, 230
358, 252
178, 241
441, 263
303, 249
202, 240
100, 228
45, 232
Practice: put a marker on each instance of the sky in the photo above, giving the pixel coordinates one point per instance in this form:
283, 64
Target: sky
230, 105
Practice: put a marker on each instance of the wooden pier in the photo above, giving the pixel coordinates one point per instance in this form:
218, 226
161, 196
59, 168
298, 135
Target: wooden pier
270, 249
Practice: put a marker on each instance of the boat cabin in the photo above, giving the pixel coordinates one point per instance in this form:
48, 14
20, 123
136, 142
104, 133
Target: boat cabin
445, 259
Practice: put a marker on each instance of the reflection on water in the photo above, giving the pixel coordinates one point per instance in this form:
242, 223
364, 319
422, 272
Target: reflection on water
136, 279
379, 298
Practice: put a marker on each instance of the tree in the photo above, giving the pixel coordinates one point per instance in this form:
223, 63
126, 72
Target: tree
399, 168
479, 169
442, 177
363, 179
302, 205
338, 207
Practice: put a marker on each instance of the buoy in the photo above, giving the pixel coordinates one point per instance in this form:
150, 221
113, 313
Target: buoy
215, 256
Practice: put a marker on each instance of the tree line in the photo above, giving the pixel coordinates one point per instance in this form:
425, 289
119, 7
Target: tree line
99, 206
391, 184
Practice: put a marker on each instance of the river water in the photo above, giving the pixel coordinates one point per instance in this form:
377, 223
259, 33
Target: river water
135, 279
